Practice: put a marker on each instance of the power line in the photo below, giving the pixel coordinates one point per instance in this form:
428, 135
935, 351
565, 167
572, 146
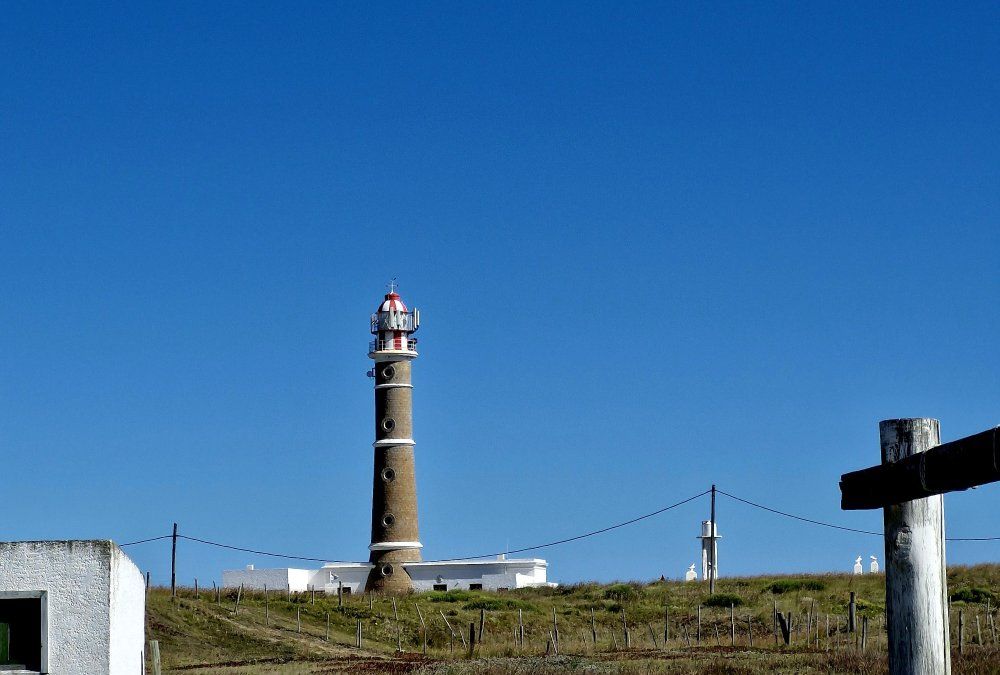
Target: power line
551, 543
144, 541
802, 518
839, 527
579, 536
250, 550
471, 557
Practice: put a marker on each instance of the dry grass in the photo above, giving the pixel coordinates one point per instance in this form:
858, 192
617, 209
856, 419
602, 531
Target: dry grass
200, 636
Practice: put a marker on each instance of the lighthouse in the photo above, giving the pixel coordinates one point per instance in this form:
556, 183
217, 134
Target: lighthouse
395, 535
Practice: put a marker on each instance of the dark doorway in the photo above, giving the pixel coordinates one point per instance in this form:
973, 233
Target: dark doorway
23, 619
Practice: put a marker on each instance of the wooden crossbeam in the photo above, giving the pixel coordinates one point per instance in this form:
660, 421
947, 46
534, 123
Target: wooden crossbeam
949, 467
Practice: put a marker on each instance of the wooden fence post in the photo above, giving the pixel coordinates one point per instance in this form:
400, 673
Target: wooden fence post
472, 638
961, 632
916, 585
732, 624
154, 652
423, 627
852, 613
698, 639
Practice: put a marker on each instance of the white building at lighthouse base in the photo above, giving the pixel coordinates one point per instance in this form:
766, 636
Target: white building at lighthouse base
501, 574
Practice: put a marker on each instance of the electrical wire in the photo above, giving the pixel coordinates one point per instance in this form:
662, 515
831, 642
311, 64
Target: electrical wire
250, 550
144, 541
803, 519
579, 536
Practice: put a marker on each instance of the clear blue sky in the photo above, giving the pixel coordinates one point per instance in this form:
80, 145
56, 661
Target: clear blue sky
655, 247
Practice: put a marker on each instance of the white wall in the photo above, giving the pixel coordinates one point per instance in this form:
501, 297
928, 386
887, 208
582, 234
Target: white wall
492, 574
353, 575
128, 614
76, 577
275, 579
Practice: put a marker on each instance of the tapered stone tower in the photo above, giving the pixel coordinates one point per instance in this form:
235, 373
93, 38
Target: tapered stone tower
395, 536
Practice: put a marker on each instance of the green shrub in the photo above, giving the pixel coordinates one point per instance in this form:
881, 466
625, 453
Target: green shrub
976, 595
789, 585
454, 595
497, 604
723, 600
621, 592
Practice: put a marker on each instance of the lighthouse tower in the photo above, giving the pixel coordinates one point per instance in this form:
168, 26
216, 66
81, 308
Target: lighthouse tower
395, 537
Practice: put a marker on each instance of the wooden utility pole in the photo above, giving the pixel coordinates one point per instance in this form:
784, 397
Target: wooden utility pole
915, 472
173, 564
711, 547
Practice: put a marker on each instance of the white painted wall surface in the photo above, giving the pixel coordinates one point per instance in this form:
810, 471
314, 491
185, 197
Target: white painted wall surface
492, 574
128, 614
77, 578
275, 579
353, 575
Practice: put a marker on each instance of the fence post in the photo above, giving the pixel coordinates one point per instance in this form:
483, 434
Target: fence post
916, 585
852, 613
154, 651
961, 632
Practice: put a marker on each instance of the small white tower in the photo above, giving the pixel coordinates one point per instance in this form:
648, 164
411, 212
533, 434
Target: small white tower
874, 566
708, 529
691, 575
858, 569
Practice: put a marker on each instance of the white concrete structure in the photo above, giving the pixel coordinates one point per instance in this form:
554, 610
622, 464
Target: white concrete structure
874, 564
487, 575
691, 575
72, 608
858, 569
707, 543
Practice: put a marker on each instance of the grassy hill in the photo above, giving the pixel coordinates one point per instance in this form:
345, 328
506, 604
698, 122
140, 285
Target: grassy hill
207, 636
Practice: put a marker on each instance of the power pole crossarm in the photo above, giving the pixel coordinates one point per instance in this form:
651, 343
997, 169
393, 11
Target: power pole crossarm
949, 467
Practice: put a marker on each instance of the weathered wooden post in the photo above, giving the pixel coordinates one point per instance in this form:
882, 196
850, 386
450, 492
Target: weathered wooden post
961, 632
154, 649
472, 638
852, 613
908, 485
698, 640
732, 624
916, 582
786, 632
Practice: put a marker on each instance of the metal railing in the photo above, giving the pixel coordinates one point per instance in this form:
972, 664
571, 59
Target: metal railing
405, 345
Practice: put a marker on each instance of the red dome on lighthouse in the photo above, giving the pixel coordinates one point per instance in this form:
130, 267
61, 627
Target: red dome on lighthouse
392, 302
